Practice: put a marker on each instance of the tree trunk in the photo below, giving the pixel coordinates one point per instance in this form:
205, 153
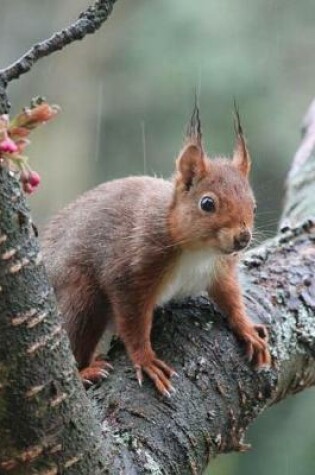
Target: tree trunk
47, 424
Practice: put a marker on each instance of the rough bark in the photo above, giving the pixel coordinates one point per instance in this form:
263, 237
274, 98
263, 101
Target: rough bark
218, 393
47, 424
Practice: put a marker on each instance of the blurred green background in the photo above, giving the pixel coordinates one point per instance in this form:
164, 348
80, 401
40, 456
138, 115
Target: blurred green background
126, 94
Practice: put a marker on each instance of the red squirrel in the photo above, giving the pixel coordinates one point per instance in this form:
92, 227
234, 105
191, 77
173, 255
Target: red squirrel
131, 244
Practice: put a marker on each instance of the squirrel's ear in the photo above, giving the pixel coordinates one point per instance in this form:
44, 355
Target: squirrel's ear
241, 158
190, 162
190, 165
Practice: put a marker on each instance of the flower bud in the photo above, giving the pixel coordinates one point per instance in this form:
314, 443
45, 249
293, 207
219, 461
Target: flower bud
28, 188
8, 146
34, 179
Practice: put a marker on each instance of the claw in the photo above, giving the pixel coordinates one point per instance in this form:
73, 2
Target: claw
139, 374
250, 351
101, 364
262, 368
159, 373
95, 372
104, 373
256, 338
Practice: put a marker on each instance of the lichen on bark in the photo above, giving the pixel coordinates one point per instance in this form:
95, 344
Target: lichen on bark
47, 423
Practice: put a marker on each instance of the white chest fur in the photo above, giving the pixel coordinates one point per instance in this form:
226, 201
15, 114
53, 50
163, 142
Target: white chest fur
192, 274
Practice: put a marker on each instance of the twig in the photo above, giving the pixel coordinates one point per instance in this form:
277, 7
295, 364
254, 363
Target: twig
88, 22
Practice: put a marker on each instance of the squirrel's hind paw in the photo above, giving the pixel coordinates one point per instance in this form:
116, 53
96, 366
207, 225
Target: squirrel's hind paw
97, 371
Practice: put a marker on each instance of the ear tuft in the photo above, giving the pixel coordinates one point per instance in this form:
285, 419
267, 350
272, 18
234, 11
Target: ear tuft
190, 165
193, 131
241, 158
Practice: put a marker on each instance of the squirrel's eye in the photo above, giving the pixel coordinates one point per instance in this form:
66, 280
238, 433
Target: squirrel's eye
207, 204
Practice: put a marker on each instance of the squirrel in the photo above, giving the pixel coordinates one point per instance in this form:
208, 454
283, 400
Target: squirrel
131, 244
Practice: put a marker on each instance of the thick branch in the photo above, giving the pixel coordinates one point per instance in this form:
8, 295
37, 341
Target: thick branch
47, 425
300, 196
45, 415
88, 22
218, 393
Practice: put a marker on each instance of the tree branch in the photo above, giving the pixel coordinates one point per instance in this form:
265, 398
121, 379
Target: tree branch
88, 22
300, 196
218, 393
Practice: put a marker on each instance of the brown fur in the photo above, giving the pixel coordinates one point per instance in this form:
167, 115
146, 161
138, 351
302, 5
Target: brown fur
111, 252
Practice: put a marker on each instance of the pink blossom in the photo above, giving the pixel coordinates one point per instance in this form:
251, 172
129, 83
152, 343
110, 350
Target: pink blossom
28, 188
34, 179
8, 146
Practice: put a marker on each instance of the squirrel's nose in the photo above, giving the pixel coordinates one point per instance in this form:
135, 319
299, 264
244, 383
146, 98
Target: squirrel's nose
241, 241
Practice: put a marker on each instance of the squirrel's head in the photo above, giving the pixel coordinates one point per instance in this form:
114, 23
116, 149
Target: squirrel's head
213, 203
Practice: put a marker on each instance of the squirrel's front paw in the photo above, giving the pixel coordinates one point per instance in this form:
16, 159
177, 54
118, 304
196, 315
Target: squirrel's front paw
256, 340
159, 372
97, 371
